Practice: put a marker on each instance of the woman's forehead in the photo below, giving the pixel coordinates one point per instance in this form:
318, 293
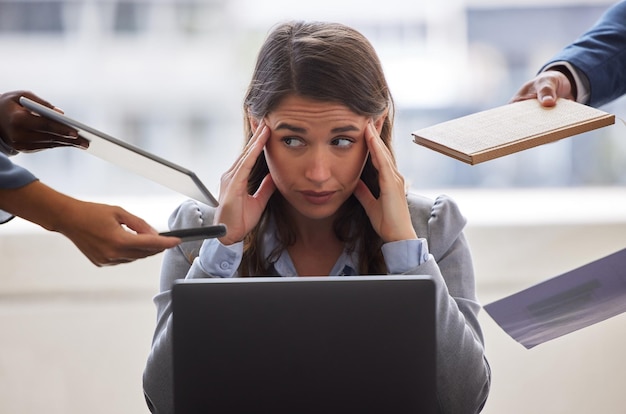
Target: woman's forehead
295, 108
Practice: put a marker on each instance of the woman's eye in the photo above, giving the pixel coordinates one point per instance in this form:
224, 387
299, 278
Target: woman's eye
343, 142
293, 142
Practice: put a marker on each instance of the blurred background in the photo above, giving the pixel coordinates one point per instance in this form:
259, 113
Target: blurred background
169, 77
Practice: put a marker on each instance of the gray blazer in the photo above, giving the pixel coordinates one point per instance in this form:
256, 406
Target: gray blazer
463, 378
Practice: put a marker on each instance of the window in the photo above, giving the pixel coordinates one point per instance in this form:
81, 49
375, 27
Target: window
31, 16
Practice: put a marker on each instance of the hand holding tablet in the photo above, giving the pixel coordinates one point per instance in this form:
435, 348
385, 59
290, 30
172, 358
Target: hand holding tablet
130, 157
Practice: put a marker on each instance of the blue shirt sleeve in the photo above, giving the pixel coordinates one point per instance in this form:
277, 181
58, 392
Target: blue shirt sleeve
218, 260
404, 255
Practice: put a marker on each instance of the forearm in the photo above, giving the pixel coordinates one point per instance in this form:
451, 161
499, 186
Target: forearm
39, 204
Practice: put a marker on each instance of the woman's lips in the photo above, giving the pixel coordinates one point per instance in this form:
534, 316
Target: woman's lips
315, 197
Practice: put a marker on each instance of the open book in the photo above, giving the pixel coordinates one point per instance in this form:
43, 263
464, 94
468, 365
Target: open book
514, 127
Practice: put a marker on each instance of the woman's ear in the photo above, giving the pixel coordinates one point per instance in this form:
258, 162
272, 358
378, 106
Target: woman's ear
378, 122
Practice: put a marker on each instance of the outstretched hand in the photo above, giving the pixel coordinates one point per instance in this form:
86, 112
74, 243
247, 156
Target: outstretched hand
101, 233
546, 87
389, 213
238, 210
105, 234
24, 131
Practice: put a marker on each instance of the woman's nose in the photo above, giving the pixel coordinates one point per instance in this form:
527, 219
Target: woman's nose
318, 168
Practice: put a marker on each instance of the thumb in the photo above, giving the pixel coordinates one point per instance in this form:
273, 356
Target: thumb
546, 97
265, 190
365, 196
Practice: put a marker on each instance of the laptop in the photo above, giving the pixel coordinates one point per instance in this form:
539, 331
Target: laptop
131, 157
356, 344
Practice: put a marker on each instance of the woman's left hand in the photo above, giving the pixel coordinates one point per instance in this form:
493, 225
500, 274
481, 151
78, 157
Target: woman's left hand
389, 213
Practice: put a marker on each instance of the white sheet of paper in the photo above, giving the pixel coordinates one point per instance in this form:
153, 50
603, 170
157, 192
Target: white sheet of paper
566, 303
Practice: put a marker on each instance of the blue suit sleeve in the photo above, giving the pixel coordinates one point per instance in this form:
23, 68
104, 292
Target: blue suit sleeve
600, 55
12, 176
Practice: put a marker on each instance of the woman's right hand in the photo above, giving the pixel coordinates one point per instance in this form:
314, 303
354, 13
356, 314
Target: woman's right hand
237, 209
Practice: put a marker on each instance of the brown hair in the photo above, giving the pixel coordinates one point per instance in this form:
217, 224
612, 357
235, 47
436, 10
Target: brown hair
327, 62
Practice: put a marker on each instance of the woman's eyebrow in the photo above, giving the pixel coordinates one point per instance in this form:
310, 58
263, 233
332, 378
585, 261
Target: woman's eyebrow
290, 127
300, 130
347, 128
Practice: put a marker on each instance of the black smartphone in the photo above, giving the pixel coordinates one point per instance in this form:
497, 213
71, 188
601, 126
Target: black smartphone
197, 233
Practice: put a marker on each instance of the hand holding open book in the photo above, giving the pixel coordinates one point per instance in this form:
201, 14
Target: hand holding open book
511, 128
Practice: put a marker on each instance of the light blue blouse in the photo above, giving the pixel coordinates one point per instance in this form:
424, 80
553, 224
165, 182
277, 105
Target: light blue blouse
218, 260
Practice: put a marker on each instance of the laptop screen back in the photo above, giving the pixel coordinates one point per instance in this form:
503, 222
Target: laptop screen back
305, 345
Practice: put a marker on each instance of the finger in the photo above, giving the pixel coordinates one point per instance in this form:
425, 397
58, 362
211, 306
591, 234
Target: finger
141, 245
246, 149
133, 222
257, 133
40, 124
372, 145
265, 190
67, 140
249, 158
391, 181
239, 172
524, 96
381, 155
124, 251
121, 257
254, 146
38, 140
131, 246
37, 146
33, 97
45, 129
54, 128
364, 196
546, 91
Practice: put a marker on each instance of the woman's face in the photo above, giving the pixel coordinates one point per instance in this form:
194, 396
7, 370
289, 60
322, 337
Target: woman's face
315, 153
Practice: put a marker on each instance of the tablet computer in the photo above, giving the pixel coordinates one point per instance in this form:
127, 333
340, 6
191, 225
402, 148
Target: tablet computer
131, 157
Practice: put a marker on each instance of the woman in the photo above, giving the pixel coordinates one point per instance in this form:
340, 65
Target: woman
316, 191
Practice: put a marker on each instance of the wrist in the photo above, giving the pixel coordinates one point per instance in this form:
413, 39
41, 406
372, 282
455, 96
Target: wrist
49, 208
